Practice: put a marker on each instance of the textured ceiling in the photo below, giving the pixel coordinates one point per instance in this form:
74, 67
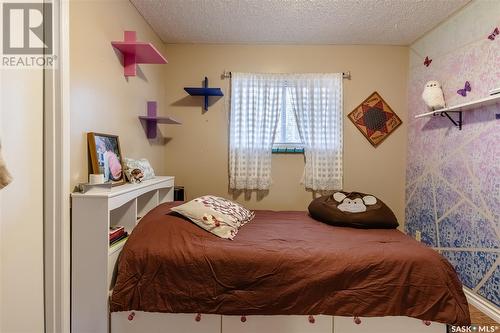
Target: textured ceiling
391, 22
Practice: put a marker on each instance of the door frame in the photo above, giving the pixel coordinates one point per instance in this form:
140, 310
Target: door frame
57, 224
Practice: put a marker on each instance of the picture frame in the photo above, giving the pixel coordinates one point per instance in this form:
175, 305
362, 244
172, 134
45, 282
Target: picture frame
106, 157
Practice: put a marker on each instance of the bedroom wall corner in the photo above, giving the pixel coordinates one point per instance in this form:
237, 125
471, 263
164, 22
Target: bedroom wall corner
102, 99
198, 150
453, 177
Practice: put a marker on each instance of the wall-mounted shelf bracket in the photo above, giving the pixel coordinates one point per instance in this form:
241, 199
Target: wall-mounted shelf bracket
457, 123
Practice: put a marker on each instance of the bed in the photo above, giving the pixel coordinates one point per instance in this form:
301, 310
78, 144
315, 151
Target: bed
283, 263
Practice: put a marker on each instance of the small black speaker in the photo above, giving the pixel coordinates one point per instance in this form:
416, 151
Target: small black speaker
179, 193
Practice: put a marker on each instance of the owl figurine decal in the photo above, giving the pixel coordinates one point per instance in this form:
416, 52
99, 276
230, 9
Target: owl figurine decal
433, 95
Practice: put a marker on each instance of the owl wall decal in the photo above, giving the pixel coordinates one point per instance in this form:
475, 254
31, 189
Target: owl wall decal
433, 95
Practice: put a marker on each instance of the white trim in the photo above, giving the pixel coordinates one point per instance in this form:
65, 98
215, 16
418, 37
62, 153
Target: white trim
1, 200
56, 179
482, 305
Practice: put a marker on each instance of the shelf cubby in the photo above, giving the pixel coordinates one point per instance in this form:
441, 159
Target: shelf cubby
124, 215
145, 203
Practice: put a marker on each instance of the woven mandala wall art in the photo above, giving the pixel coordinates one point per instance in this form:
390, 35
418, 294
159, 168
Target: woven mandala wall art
375, 119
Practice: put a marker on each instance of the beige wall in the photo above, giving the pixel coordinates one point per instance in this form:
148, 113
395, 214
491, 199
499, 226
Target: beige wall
102, 99
21, 202
198, 150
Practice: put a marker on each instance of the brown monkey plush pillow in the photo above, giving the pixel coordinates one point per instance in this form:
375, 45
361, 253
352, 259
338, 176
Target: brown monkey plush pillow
356, 210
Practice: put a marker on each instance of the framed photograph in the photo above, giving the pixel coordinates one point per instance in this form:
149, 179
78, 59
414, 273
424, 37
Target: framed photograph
106, 157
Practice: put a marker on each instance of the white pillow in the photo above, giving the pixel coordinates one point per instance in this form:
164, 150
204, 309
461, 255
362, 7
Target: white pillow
142, 164
217, 215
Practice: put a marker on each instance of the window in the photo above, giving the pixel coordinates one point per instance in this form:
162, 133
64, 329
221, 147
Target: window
311, 102
287, 138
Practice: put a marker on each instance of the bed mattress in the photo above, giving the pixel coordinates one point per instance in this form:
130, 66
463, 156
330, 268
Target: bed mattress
284, 263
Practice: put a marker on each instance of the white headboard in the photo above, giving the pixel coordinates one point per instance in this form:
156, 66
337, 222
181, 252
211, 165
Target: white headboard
93, 261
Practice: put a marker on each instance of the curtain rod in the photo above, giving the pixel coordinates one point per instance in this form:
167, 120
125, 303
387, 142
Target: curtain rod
227, 75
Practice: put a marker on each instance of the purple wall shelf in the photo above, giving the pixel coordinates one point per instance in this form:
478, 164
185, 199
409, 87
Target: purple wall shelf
152, 120
137, 53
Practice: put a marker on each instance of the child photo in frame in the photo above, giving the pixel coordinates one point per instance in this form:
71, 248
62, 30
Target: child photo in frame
106, 157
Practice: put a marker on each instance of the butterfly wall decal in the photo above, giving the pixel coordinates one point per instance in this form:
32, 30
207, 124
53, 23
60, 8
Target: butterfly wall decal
493, 35
427, 61
467, 88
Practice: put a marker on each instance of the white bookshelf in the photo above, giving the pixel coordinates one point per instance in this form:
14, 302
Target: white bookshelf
93, 261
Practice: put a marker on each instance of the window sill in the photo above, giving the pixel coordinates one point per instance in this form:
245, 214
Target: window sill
284, 150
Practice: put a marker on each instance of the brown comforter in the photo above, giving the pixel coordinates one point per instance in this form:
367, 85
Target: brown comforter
284, 263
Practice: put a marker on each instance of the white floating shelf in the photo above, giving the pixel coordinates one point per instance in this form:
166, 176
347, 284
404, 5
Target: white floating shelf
490, 100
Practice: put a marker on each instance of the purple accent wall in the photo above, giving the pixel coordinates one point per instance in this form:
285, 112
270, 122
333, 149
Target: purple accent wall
453, 177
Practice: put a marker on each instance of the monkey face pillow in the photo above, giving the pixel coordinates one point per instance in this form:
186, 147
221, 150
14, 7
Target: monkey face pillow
356, 205
355, 209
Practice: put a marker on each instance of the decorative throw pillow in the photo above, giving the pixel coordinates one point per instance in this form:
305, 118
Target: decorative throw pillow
354, 209
217, 215
137, 170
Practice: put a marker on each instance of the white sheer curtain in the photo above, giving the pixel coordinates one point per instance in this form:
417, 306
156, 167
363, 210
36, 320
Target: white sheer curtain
255, 103
317, 103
